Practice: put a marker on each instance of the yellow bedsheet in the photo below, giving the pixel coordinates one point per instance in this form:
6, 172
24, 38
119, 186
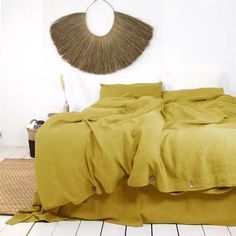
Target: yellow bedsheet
184, 142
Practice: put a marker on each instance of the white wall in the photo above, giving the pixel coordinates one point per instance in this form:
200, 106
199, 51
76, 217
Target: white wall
1, 97
193, 35
233, 79
21, 67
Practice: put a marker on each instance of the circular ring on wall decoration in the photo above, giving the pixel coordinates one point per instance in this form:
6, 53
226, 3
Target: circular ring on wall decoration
103, 16
116, 50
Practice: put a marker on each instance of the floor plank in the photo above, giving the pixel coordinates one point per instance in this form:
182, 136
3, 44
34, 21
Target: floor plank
90, 228
16, 230
164, 230
27, 155
66, 228
145, 230
13, 152
44, 229
193, 230
3, 219
6, 153
113, 230
20, 152
211, 230
232, 230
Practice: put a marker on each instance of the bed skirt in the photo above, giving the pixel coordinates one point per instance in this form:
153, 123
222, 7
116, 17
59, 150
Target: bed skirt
136, 206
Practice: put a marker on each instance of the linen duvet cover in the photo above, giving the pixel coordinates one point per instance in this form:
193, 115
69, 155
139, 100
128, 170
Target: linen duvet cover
185, 142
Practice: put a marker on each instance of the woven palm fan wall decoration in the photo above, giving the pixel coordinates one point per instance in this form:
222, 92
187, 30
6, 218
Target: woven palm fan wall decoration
116, 50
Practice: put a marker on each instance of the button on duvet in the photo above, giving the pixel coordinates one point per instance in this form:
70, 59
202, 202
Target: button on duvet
94, 190
191, 184
152, 178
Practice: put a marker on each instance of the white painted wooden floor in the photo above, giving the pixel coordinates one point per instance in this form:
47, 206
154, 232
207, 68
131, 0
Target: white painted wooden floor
100, 228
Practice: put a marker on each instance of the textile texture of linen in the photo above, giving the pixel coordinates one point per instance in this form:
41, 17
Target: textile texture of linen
182, 143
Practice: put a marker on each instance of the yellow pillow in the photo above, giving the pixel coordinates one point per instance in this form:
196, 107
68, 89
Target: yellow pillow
131, 90
192, 94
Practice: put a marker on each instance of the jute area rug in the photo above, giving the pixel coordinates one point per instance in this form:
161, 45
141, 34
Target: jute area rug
17, 185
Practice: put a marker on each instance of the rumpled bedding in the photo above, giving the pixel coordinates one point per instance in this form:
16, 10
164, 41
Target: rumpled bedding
183, 142
198, 142
96, 148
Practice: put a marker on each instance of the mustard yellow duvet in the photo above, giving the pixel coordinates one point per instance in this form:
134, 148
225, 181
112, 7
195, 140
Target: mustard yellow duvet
185, 142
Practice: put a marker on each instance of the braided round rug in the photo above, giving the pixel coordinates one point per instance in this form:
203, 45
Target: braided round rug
17, 185
116, 50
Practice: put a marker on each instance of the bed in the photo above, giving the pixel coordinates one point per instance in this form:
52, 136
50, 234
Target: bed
134, 158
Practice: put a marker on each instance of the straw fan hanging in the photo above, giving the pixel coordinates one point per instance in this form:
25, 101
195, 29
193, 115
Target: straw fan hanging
116, 50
